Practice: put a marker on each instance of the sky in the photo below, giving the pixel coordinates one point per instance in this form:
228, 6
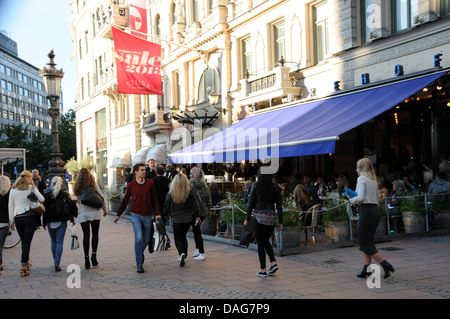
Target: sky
39, 26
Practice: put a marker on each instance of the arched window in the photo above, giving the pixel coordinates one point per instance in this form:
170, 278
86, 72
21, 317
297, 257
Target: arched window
174, 13
158, 27
209, 81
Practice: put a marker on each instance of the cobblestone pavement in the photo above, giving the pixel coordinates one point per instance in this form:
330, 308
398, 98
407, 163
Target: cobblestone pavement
228, 272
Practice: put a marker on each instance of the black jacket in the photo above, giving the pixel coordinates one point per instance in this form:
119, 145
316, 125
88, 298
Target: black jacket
56, 210
4, 209
258, 202
182, 213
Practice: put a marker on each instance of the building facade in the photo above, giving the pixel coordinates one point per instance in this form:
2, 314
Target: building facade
22, 98
258, 55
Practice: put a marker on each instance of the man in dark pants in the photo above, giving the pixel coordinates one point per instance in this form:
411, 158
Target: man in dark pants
162, 188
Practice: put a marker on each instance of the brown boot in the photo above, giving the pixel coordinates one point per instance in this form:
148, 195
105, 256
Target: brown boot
24, 271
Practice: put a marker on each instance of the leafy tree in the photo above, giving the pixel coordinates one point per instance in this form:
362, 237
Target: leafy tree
67, 135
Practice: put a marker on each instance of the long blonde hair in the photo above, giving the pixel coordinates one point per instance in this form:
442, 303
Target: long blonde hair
24, 181
5, 185
56, 186
180, 188
366, 169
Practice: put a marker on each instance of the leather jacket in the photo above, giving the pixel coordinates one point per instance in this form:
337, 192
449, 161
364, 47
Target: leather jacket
257, 202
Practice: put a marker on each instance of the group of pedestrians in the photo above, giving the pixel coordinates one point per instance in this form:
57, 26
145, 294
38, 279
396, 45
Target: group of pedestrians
186, 201
16, 213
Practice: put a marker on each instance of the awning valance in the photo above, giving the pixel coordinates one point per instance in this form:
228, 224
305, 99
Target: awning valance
122, 159
140, 156
309, 128
158, 153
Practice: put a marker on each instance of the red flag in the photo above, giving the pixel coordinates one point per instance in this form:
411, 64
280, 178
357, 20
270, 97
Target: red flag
138, 64
138, 18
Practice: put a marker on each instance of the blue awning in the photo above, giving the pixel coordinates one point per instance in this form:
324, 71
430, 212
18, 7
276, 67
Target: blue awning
310, 128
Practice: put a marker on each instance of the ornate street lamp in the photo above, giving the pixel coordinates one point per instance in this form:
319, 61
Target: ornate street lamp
52, 81
214, 99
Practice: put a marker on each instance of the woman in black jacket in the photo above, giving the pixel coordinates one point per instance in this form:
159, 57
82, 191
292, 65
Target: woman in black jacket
264, 197
58, 210
182, 206
5, 186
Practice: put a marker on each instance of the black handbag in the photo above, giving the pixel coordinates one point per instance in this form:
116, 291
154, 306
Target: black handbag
91, 198
245, 238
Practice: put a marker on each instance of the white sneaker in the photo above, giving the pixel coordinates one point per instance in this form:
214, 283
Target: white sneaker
200, 257
196, 253
182, 260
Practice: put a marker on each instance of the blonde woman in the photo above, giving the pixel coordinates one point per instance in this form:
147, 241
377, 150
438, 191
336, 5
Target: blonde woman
367, 199
5, 186
22, 218
88, 217
182, 206
201, 189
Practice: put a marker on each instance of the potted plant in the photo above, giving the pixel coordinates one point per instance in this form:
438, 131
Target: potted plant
240, 211
290, 235
413, 213
440, 204
336, 220
114, 201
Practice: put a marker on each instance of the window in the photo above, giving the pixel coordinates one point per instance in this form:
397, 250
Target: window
177, 79
279, 39
321, 31
404, 13
209, 81
174, 13
2, 69
195, 16
446, 7
246, 55
158, 28
210, 6
80, 49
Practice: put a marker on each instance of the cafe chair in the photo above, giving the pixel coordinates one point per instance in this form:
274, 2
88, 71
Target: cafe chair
315, 211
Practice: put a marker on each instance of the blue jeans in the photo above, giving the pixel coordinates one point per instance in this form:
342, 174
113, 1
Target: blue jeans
57, 240
142, 226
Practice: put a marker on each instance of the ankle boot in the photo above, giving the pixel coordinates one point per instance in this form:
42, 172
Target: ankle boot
87, 264
364, 273
24, 271
387, 268
94, 260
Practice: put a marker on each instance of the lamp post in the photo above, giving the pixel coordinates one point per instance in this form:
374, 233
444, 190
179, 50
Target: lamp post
52, 81
214, 99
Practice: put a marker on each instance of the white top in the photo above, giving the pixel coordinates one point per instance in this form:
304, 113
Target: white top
367, 190
19, 202
87, 213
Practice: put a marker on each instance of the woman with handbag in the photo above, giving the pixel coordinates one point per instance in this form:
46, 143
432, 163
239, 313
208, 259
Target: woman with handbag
88, 216
198, 183
182, 206
58, 210
22, 217
264, 197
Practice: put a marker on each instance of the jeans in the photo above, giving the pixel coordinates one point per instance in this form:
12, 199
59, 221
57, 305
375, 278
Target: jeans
142, 226
26, 226
57, 240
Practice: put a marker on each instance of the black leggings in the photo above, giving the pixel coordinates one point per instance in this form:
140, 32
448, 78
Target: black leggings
263, 233
179, 233
86, 227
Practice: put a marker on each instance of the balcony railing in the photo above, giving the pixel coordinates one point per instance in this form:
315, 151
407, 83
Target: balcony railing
155, 121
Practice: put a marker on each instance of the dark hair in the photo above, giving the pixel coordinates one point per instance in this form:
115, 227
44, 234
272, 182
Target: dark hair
136, 166
160, 170
265, 186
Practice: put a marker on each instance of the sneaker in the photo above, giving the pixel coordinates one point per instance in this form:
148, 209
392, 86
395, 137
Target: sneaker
196, 253
273, 269
200, 257
261, 273
182, 259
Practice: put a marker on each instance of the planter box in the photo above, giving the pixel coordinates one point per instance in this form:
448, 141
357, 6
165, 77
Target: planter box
414, 222
288, 237
337, 231
381, 228
442, 218
209, 226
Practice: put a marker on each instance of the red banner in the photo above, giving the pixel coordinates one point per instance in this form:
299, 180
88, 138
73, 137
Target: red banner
138, 64
138, 18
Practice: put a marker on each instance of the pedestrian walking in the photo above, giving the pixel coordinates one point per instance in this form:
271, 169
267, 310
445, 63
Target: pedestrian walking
38, 182
265, 200
5, 187
162, 188
367, 199
59, 209
181, 205
144, 204
22, 217
89, 217
204, 201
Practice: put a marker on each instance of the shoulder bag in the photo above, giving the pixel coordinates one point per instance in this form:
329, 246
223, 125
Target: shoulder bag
35, 205
90, 197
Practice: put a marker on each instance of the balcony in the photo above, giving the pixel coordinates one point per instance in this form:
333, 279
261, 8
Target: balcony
155, 122
274, 87
118, 15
